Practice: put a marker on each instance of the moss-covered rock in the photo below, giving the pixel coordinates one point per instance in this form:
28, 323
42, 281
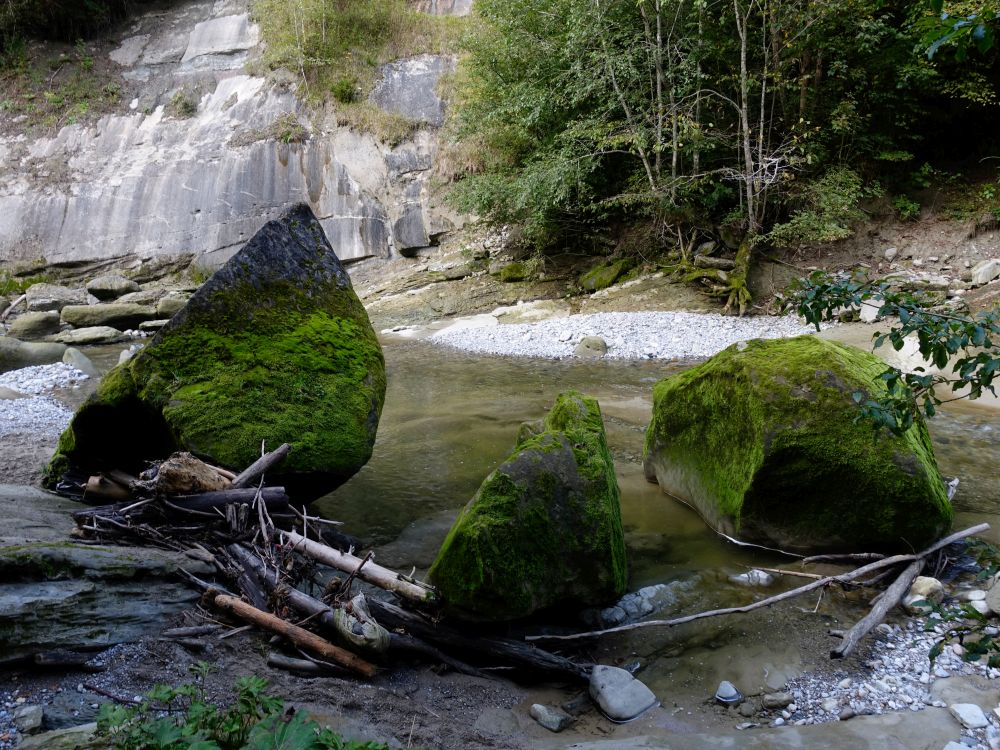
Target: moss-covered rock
762, 441
544, 529
604, 275
275, 347
516, 271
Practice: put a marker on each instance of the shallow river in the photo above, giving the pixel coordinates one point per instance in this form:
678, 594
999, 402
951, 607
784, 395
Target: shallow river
450, 418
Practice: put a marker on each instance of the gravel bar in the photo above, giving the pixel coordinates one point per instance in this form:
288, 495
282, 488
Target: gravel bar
636, 335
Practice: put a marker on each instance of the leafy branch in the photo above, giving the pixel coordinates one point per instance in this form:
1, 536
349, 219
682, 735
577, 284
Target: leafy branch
942, 338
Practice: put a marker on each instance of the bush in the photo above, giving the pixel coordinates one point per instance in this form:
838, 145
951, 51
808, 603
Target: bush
182, 719
907, 208
828, 206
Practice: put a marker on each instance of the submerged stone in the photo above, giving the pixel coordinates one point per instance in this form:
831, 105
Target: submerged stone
544, 529
275, 347
762, 441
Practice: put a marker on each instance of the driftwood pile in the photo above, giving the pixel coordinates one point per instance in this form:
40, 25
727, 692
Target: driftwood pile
270, 554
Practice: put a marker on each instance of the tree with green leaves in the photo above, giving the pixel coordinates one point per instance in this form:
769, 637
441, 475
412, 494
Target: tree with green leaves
961, 353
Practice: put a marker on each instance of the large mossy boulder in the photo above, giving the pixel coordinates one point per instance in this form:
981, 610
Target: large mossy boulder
274, 347
763, 441
544, 529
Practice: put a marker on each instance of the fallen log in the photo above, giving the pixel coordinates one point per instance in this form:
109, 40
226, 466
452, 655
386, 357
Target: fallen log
812, 586
504, 650
274, 498
889, 599
299, 666
313, 607
255, 470
372, 573
299, 636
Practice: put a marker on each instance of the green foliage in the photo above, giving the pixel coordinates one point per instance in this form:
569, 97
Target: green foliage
906, 208
336, 47
14, 285
963, 25
183, 104
181, 718
966, 344
828, 205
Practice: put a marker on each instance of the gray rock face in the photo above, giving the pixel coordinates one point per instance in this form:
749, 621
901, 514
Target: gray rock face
34, 325
170, 305
16, 354
618, 694
409, 88
445, 7
56, 594
985, 272
44, 297
111, 287
111, 314
142, 183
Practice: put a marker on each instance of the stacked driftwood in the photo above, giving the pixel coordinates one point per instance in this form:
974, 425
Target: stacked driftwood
275, 563
292, 574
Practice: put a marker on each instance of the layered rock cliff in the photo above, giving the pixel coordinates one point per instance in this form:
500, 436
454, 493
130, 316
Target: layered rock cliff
207, 146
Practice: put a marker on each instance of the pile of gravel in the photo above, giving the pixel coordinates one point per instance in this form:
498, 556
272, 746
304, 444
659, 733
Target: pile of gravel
899, 678
636, 335
38, 415
42, 378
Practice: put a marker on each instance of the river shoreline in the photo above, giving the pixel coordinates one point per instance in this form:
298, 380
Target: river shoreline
889, 669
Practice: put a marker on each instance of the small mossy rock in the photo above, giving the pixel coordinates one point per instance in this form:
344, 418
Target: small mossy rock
604, 275
275, 347
111, 286
544, 529
31, 326
516, 271
762, 441
120, 315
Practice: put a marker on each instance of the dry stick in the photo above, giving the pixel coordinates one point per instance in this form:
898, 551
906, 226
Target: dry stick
15, 303
191, 632
786, 572
889, 600
315, 608
842, 578
250, 474
298, 636
290, 664
851, 557
372, 573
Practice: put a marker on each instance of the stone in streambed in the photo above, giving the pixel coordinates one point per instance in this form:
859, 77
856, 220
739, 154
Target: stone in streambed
15, 354
618, 694
550, 718
604, 275
120, 315
52, 297
275, 347
79, 360
969, 715
762, 441
111, 286
544, 529
591, 347
89, 336
31, 326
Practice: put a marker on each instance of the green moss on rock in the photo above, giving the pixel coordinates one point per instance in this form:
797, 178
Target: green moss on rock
516, 271
604, 275
275, 347
762, 441
544, 529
